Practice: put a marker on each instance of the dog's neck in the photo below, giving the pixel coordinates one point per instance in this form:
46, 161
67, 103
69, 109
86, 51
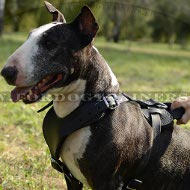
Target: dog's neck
96, 78
100, 78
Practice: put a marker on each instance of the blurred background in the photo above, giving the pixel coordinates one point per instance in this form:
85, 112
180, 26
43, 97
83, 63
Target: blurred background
149, 20
145, 42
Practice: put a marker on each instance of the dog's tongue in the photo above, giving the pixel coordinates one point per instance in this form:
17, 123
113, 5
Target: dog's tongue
18, 92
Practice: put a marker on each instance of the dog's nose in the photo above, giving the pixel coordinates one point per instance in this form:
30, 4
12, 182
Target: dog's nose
10, 74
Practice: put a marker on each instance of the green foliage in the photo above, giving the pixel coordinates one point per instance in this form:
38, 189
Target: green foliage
142, 68
171, 21
162, 21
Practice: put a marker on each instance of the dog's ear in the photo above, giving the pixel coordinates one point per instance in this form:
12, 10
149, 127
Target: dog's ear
57, 15
86, 23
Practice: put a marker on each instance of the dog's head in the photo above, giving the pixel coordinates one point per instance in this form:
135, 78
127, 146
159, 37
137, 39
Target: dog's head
47, 59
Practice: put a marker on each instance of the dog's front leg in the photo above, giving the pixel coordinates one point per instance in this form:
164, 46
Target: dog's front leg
73, 185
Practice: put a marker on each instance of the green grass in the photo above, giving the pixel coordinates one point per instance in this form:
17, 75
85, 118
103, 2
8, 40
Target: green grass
142, 70
148, 67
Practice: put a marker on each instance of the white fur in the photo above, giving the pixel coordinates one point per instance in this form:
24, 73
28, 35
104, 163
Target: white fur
22, 57
95, 49
38, 31
66, 106
73, 150
114, 81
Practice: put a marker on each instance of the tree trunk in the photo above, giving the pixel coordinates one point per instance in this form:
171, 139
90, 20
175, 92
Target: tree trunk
2, 6
116, 33
117, 20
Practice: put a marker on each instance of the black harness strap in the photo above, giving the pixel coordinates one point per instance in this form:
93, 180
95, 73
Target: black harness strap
92, 111
45, 107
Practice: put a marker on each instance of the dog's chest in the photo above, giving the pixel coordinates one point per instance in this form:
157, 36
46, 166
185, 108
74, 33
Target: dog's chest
73, 150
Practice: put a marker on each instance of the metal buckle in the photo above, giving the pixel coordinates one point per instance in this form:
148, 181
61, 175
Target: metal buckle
111, 101
161, 105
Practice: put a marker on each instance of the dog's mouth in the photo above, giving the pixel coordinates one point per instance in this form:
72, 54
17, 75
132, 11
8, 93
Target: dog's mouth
34, 93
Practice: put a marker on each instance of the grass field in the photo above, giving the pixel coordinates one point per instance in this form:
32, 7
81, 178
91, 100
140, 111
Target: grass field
142, 69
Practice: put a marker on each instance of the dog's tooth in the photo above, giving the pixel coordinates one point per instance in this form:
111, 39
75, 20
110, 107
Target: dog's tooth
30, 92
48, 78
22, 96
28, 97
44, 80
72, 70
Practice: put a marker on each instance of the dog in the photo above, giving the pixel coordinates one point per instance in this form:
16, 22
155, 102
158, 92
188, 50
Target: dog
59, 57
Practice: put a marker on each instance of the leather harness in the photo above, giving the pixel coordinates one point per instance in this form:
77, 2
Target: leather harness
157, 114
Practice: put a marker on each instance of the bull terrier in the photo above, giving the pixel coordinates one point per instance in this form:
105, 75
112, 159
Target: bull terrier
59, 57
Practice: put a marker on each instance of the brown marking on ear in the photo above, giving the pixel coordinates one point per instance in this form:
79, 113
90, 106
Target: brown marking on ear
87, 22
57, 15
